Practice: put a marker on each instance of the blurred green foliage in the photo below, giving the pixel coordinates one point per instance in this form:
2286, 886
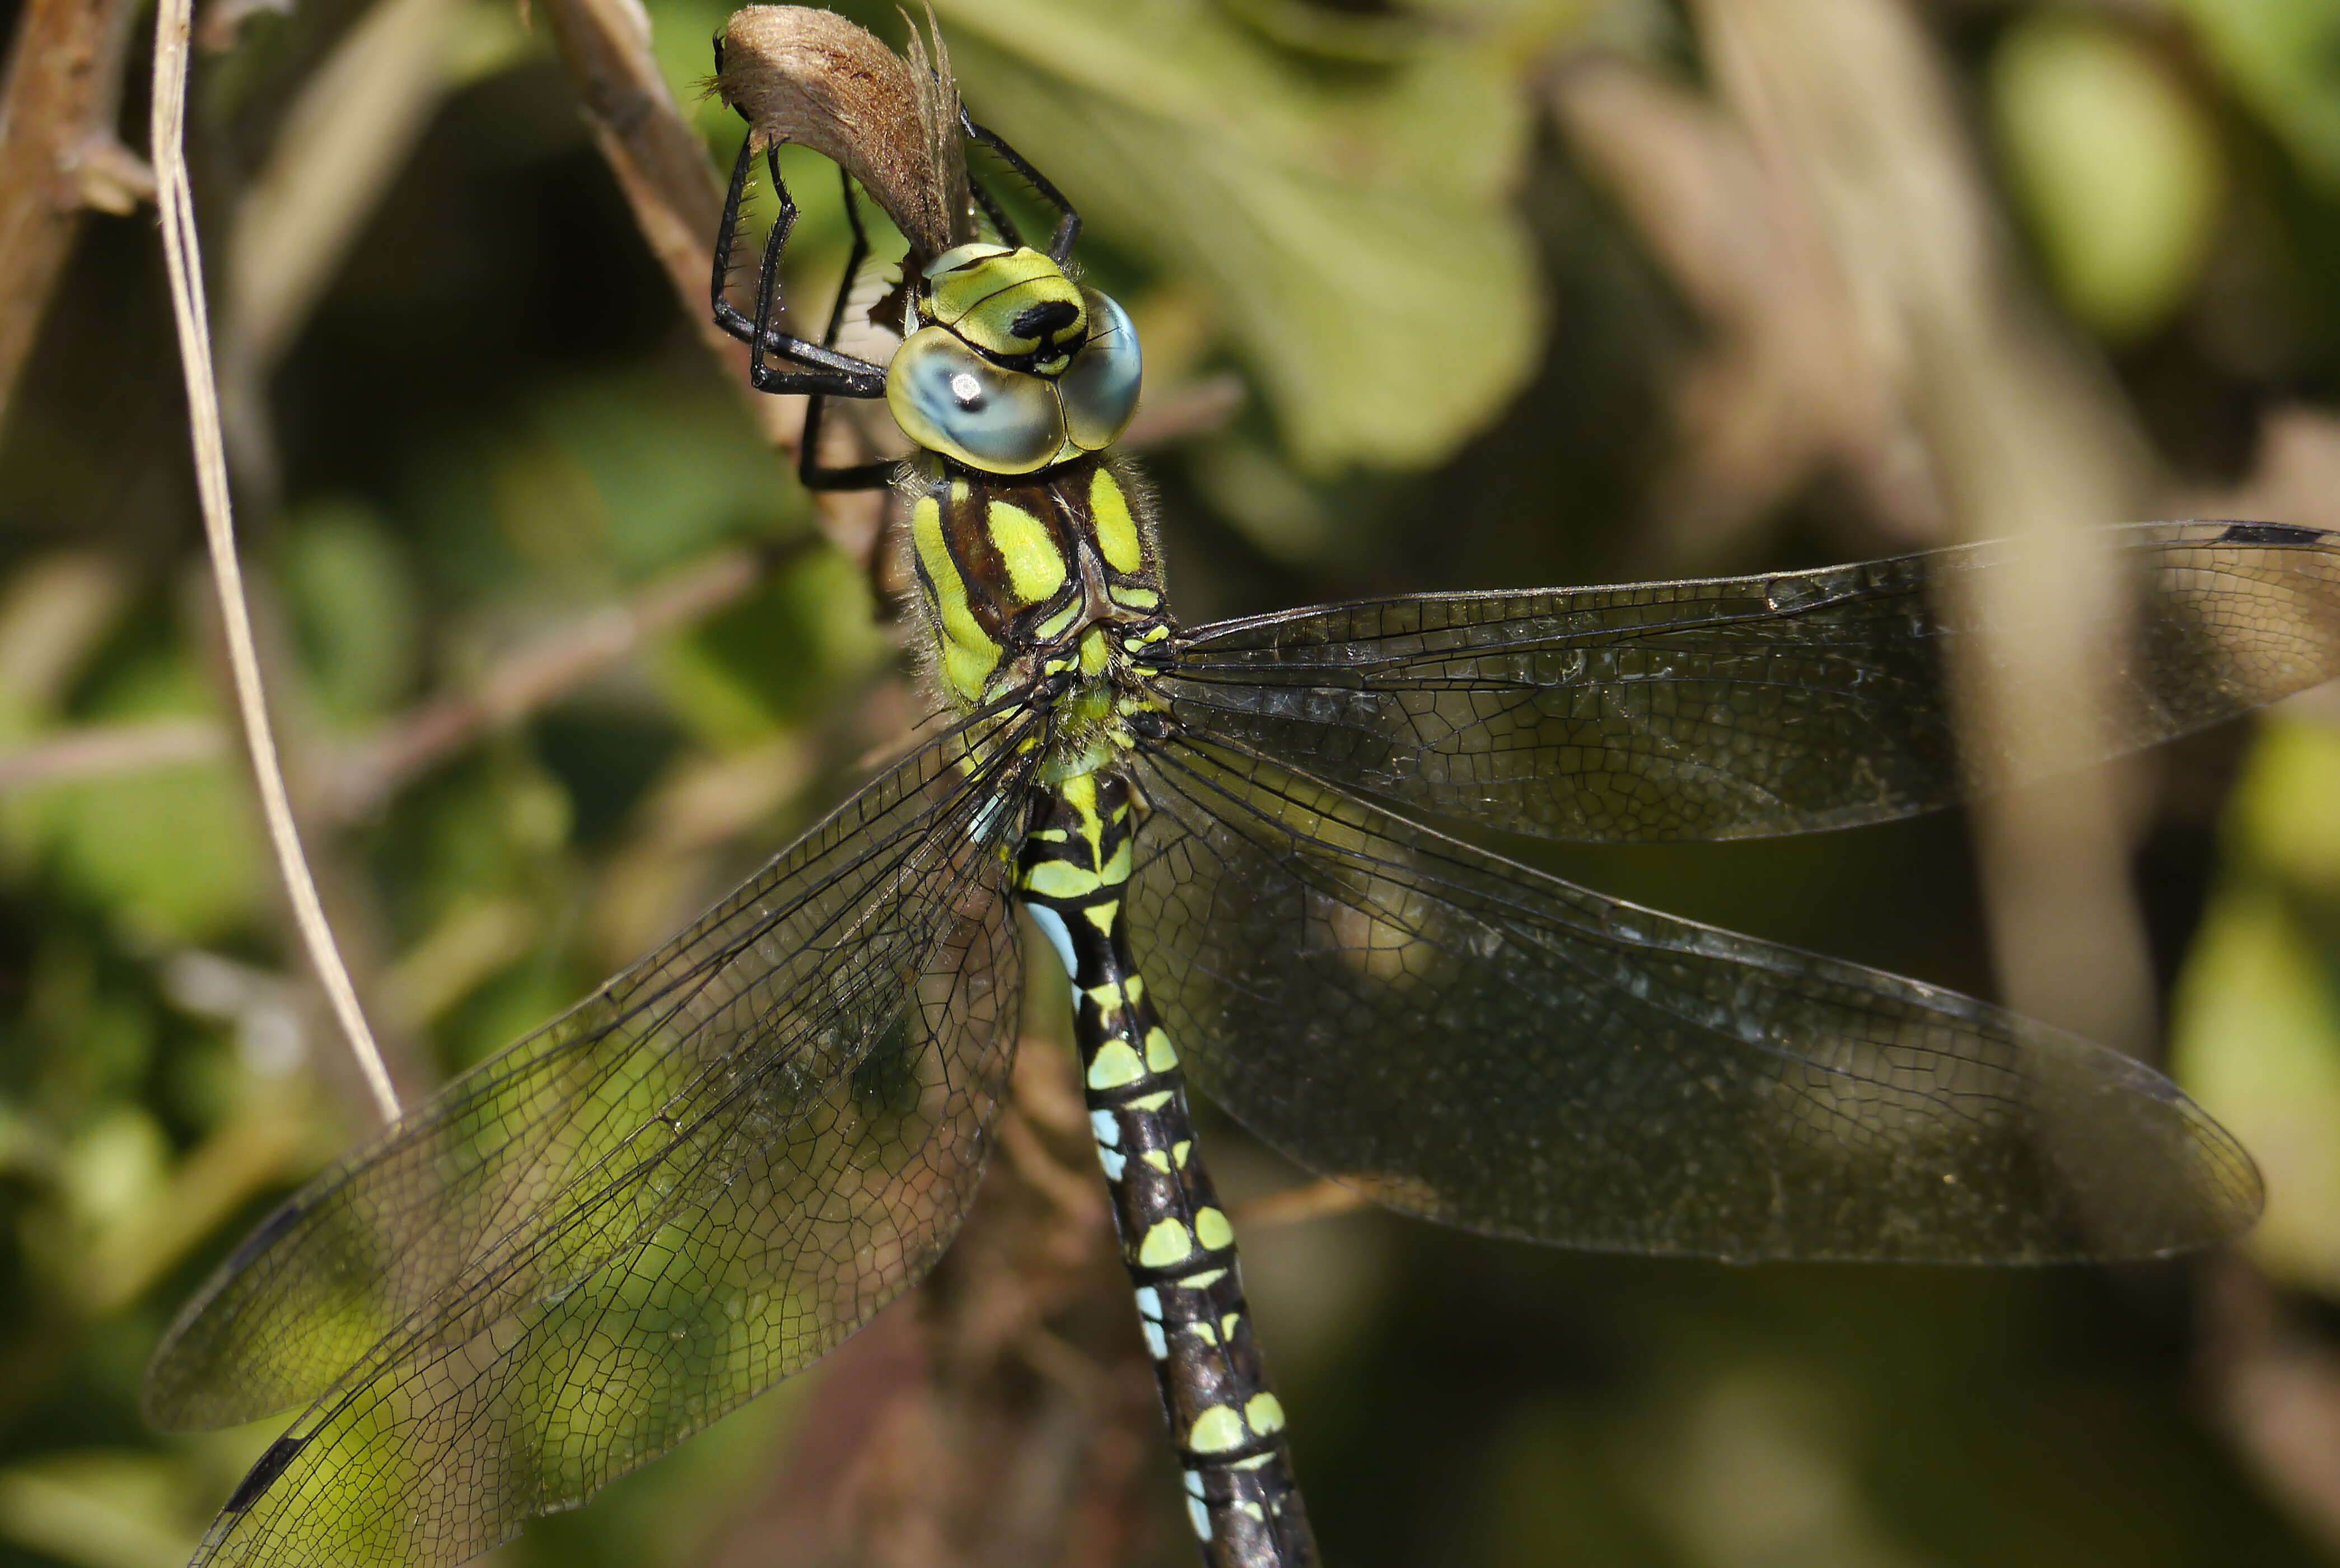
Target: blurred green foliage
2282, 58
1461, 358
2116, 164
2258, 1015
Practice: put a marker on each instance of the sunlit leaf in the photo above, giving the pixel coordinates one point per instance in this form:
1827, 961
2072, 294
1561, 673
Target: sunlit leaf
2255, 1035
1355, 224
2255, 1024
2283, 57
113, 1509
2116, 166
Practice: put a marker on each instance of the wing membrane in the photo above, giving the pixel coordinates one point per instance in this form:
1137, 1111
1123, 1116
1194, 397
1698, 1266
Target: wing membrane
1474, 1042
1736, 707
695, 1183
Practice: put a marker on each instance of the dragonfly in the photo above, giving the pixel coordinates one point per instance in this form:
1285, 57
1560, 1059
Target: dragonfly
735, 1152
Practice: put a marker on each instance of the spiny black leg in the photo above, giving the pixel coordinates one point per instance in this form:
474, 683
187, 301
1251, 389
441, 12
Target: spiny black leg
858, 476
841, 376
1001, 223
1068, 222
727, 238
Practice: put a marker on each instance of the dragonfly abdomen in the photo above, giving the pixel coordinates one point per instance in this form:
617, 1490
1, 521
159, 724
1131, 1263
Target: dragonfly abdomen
1180, 1250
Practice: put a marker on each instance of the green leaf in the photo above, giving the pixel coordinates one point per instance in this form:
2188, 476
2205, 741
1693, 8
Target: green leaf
2255, 1023
1356, 223
353, 599
2116, 167
672, 464
2256, 1037
170, 854
2283, 59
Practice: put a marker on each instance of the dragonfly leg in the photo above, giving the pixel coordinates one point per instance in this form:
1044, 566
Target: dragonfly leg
825, 370
809, 468
1068, 222
1004, 225
1225, 1424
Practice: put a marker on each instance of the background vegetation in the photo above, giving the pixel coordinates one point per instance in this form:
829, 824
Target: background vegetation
1439, 294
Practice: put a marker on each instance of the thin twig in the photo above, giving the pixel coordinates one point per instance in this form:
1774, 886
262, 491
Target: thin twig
661, 165
58, 155
521, 684
105, 750
182, 252
2031, 441
1192, 409
668, 180
1293, 1205
548, 669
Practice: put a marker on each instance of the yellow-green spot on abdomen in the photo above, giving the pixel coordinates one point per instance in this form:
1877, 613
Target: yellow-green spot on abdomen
1060, 879
1265, 1412
1036, 567
1216, 1430
1166, 1243
1159, 1054
1114, 1064
1115, 525
1212, 1229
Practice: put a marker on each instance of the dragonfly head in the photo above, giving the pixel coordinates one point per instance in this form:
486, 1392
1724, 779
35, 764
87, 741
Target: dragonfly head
1014, 367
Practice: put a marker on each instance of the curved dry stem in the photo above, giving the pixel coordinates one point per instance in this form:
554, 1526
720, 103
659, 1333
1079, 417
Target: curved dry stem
184, 255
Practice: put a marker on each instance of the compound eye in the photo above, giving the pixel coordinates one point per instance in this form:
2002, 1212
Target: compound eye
951, 400
1100, 386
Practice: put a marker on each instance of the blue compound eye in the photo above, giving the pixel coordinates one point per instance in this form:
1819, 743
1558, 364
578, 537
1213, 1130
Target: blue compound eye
951, 400
1100, 386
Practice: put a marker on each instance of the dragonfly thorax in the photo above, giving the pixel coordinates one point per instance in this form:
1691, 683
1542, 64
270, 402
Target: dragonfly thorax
1053, 576
1011, 366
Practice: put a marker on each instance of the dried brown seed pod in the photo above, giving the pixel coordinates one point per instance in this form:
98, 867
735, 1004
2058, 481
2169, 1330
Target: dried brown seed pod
813, 78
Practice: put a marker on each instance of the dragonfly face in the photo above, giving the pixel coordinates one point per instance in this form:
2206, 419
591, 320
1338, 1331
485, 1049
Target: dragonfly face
1015, 368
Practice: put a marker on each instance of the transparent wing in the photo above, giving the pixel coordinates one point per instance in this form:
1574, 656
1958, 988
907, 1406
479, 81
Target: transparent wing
1472, 1041
1736, 707
697, 1182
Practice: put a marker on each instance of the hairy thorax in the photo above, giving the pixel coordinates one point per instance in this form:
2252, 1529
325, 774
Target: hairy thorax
1046, 580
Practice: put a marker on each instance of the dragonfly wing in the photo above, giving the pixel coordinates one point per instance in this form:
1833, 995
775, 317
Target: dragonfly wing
1474, 1042
591, 1245
1739, 707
